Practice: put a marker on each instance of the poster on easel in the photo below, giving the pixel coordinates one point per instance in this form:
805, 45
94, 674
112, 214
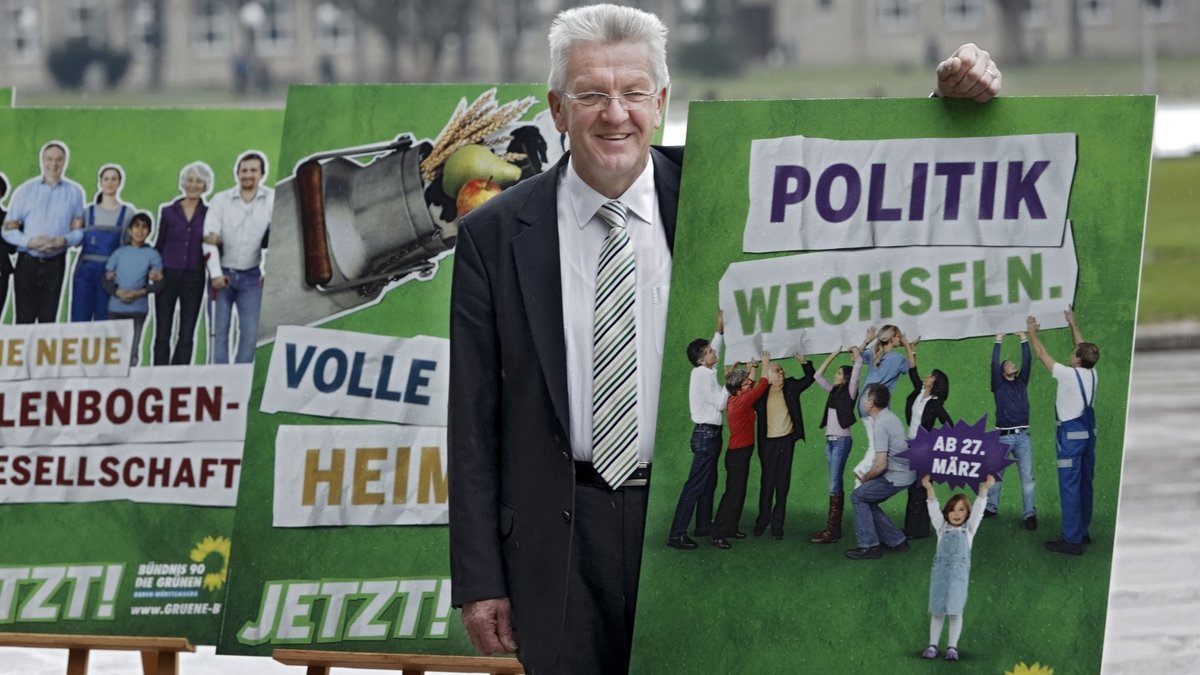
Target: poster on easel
928, 240
120, 429
344, 489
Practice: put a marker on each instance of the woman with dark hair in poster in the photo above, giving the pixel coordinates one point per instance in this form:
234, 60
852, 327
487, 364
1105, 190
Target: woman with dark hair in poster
180, 233
924, 406
105, 228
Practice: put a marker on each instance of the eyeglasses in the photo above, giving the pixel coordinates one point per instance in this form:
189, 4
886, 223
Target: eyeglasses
630, 100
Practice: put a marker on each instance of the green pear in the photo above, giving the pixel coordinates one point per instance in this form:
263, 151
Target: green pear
476, 161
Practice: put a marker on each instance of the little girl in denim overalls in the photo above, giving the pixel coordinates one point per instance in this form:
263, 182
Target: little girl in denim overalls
955, 525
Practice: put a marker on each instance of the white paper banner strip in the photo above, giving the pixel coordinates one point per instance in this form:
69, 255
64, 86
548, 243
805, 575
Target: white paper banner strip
360, 475
152, 405
45, 350
195, 474
342, 374
816, 302
814, 193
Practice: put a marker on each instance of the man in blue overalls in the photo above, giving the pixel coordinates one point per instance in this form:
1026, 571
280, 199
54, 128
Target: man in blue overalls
1076, 437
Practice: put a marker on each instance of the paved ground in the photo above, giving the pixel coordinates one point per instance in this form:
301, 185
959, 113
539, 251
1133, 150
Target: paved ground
1154, 607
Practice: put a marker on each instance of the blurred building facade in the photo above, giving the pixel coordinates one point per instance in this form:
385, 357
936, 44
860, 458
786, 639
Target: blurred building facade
251, 43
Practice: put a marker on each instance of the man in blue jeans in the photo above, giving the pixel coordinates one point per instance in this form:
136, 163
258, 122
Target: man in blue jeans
888, 475
1010, 388
1076, 435
235, 234
706, 400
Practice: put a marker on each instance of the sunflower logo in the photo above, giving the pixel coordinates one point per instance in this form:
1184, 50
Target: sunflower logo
218, 546
1035, 669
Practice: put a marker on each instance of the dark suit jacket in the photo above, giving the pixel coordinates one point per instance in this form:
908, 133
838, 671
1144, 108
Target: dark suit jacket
792, 388
6, 249
935, 409
511, 472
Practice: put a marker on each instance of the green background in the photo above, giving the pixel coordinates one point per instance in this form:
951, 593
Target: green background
791, 606
152, 146
321, 118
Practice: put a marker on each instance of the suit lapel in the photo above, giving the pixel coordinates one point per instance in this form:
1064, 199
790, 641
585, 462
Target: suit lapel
535, 255
666, 185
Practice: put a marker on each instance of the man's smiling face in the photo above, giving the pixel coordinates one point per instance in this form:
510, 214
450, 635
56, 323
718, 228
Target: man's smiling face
609, 147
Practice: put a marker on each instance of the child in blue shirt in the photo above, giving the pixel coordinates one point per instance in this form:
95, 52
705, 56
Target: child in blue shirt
132, 273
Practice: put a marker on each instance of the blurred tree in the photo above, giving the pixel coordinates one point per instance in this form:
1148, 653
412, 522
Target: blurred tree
147, 15
384, 17
421, 27
512, 19
1012, 31
715, 48
1076, 30
68, 63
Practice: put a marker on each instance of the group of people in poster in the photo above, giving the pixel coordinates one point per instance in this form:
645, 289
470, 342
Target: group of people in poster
761, 404
202, 246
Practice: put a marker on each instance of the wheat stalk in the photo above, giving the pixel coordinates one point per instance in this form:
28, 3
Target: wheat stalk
472, 124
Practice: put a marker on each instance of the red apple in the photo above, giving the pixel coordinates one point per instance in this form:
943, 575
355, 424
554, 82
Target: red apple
473, 193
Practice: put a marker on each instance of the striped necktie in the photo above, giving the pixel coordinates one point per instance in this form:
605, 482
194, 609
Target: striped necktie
614, 353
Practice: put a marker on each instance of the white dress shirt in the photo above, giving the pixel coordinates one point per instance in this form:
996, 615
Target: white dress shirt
580, 237
707, 398
241, 225
918, 410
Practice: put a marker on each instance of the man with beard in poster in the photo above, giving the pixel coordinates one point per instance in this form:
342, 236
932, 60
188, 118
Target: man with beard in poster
548, 478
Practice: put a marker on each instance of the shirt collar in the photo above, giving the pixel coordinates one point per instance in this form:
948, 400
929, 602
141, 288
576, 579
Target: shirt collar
585, 201
235, 195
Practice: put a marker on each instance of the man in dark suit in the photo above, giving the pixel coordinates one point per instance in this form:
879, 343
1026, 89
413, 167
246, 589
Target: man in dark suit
780, 425
540, 541
545, 541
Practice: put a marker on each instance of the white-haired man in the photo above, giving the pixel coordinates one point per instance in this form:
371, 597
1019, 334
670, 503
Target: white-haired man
548, 468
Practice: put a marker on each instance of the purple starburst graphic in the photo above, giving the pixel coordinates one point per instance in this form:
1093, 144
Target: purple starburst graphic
963, 454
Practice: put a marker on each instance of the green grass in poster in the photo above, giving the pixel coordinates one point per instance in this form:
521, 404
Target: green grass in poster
152, 146
786, 606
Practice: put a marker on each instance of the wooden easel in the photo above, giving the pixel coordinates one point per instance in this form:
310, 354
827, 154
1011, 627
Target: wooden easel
160, 655
319, 662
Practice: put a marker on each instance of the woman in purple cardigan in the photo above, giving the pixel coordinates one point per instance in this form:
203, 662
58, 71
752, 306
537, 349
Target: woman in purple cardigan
180, 232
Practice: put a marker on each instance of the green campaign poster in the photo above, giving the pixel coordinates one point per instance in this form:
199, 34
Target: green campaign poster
808, 222
118, 476
344, 487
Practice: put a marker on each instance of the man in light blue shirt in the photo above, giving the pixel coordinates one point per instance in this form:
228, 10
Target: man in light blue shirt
44, 218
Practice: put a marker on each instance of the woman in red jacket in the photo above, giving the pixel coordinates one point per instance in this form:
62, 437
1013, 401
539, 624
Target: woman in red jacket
739, 411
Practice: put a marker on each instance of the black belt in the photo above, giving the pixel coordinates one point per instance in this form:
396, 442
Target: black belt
586, 474
1005, 432
702, 425
40, 261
